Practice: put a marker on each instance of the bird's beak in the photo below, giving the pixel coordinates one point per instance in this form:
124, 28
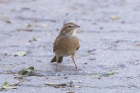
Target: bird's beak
77, 26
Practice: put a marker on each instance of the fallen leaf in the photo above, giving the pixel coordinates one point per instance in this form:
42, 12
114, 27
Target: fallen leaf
39, 61
20, 54
22, 72
28, 30
42, 25
7, 86
36, 39
137, 45
7, 21
55, 84
114, 17
70, 92
96, 75
109, 73
92, 59
91, 50
31, 68
18, 77
28, 25
77, 87
58, 85
27, 72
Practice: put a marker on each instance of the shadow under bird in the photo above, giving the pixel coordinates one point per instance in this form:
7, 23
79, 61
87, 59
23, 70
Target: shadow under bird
66, 43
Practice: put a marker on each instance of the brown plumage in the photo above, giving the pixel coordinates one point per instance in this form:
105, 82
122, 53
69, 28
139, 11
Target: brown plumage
66, 43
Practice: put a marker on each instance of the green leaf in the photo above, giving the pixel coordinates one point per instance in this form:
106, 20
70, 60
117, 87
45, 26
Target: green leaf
109, 73
27, 72
31, 68
7, 86
20, 54
22, 72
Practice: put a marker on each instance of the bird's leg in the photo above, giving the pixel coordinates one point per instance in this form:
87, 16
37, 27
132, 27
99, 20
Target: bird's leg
57, 58
74, 61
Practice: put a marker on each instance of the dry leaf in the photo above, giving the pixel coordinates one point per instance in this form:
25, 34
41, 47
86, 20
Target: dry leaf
7, 86
114, 17
36, 39
7, 21
137, 45
20, 54
42, 25
28, 25
70, 92
39, 61
77, 87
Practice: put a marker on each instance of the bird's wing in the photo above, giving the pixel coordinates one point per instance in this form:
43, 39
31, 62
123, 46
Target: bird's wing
77, 43
55, 44
58, 43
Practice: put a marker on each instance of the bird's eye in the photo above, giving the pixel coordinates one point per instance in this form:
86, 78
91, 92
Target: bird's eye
69, 26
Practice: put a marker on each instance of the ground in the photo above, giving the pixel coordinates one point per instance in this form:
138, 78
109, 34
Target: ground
109, 54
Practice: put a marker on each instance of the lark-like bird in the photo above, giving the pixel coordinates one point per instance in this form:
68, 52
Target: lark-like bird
66, 43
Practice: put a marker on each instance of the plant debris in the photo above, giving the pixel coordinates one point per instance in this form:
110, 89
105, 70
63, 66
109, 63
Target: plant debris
36, 39
41, 25
97, 76
27, 72
28, 30
8, 21
28, 25
58, 85
114, 17
70, 92
77, 87
20, 54
38, 60
109, 73
7, 86
137, 45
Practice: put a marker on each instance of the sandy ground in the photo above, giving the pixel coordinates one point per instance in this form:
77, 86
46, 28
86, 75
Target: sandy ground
109, 37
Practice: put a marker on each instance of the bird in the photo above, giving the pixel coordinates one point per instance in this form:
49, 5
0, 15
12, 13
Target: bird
66, 43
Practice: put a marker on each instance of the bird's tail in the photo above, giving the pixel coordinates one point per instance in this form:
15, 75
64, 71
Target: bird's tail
59, 60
